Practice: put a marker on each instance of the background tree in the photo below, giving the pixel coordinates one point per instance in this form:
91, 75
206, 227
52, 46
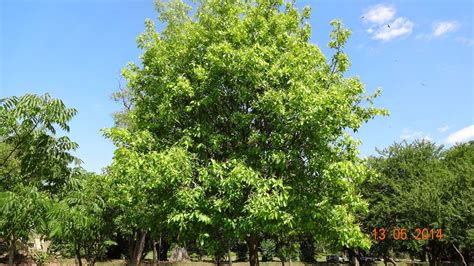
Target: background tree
422, 185
403, 170
21, 213
459, 221
81, 220
34, 162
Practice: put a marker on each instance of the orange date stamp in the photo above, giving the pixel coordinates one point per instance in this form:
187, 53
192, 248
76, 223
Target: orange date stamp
380, 233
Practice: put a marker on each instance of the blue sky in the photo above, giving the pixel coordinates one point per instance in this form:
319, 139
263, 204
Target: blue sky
424, 62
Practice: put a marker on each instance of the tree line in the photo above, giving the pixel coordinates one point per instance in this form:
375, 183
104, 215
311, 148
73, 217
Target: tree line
235, 136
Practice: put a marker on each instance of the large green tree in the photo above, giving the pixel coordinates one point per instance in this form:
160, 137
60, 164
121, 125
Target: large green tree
263, 115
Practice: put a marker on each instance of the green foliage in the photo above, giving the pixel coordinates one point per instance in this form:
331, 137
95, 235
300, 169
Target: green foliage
81, 218
268, 249
259, 116
150, 190
21, 212
459, 210
30, 152
42, 258
35, 163
422, 185
289, 251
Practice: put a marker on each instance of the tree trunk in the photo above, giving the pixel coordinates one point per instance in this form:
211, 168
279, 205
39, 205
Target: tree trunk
163, 250
180, 254
353, 258
131, 245
430, 258
252, 243
138, 248
77, 252
90, 261
307, 249
423, 255
155, 252
467, 256
11, 251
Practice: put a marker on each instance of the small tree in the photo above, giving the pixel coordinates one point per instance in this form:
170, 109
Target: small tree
82, 219
22, 211
150, 190
34, 162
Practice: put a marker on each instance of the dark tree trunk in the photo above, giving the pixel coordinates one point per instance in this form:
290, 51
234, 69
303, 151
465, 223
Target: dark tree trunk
77, 252
353, 257
467, 255
136, 257
307, 250
430, 258
241, 250
11, 251
131, 245
282, 258
163, 249
252, 243
423, 255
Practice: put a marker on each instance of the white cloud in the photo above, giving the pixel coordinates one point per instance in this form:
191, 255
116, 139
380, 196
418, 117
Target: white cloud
379, 14
462, 135
465, 41
444, 27
408, 134
398, 28
443, 129
384, 26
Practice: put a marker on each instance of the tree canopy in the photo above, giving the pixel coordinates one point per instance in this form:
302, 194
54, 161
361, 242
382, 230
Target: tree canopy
261, 115
422, 185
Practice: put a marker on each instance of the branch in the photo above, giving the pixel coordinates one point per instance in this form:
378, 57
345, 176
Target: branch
460, 254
